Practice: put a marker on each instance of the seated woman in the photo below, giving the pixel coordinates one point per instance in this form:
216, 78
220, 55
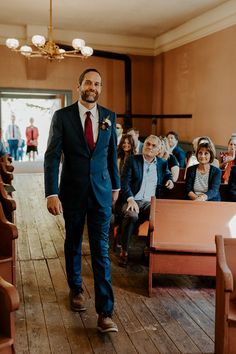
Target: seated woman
126, 148
172, 161
228, 159
232, 184
192, 160
203, 180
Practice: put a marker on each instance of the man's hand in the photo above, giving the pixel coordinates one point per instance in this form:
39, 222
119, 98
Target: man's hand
115, 195
133, 206
169, 184
54, 205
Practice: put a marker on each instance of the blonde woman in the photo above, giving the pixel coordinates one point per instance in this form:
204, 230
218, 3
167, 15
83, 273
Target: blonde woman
227, 159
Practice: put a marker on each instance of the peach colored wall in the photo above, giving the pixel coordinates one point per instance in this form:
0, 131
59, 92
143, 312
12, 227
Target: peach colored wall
64, 76
199, 78
142, 88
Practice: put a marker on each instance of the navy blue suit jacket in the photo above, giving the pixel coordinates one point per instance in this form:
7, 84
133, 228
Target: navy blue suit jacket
232, 184
179, 153
132, 176
213, 182
82, 171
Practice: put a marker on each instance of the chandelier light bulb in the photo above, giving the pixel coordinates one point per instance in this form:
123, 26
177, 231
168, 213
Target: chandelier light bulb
78, 43
25, 50
46, 48
38, 40
87, 51
12, 43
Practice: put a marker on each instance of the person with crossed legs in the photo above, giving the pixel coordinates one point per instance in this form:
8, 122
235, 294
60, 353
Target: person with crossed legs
143, 176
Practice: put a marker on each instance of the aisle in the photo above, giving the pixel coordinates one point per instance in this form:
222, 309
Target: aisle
178, 319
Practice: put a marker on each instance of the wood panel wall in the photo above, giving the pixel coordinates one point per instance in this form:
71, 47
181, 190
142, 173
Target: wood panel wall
197, 78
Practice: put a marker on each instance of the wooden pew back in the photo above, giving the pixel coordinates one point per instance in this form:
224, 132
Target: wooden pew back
225, 318
178, 192
8, 234
183, 235
9, 302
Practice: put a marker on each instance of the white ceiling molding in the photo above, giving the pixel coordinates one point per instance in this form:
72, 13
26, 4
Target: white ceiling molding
215, 20
219, 18
100, 41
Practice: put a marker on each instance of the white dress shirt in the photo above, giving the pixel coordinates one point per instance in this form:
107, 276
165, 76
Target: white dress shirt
94, 118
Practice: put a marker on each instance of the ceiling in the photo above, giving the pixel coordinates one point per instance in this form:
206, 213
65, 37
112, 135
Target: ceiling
133, 18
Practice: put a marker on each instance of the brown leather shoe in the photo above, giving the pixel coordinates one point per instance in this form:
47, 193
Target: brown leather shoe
105, 324
77, 300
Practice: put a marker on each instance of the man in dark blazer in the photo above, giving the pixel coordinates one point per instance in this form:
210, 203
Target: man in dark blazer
85, 133
176, 150
143, 176
232, 184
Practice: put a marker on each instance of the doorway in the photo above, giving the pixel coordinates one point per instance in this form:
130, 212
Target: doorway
37, 104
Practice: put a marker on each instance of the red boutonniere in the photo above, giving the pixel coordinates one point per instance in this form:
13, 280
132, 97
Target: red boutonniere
105, 124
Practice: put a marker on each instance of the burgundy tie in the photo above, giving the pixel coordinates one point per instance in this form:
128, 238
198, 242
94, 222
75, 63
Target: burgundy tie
88, 131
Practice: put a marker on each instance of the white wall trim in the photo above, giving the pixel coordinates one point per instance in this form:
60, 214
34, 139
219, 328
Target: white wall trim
210, 22
215, 20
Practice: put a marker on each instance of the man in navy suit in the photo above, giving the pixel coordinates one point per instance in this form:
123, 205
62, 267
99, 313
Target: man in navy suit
232, 184
85, 133
176, 150
143, 176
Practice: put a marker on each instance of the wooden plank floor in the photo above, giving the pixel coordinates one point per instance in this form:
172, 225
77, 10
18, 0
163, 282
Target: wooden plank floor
179, 318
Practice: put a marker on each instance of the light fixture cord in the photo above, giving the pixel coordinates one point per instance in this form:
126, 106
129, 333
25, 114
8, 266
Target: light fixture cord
50, 23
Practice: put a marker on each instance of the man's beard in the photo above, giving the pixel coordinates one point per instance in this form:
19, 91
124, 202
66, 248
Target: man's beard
87, 97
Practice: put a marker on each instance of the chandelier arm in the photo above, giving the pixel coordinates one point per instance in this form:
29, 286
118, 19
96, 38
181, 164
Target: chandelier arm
74, 55
72, 51
48, 48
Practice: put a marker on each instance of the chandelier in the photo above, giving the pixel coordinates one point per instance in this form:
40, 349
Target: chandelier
49, 49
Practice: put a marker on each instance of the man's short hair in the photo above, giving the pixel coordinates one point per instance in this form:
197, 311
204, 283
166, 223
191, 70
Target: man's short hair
81, 78
172, 132
133, 129
154, 137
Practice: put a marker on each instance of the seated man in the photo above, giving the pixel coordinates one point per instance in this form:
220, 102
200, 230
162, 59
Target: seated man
138, 144
176, 150
232, 184
143, 176
119, 132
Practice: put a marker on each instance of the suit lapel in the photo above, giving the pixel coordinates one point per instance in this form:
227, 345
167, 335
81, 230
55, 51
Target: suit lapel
140, 169
101, 132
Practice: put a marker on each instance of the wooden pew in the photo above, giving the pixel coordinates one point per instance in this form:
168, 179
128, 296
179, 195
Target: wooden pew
7, 176
178, 192
225, 323
8, 234
181, 174
7, 160
8, 203
142, 231
182, 237
9, 302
